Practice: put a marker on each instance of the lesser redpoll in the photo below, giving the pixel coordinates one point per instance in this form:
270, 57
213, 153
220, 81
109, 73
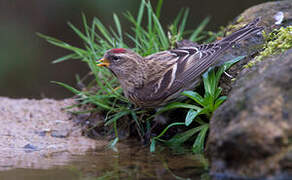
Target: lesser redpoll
156, 79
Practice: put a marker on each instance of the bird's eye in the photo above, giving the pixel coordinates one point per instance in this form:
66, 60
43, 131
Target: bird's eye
116, 58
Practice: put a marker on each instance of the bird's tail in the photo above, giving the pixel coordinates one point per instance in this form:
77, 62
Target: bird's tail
243, 33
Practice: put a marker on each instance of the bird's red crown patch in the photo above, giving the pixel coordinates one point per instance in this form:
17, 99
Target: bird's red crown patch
118, 50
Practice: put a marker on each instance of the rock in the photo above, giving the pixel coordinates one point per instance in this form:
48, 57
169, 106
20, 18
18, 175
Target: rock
30, 148
269, 13
250, 134
60, 133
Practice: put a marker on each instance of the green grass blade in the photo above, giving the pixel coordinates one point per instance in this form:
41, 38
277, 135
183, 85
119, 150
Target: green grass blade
217, 93
85, 24
119, 27
209, 80
112, 144
141, 12
194, 96
140, 128
180, 138
65, 58
177, 19
199, 29
198, 146
62, 44
226, 66
219, 101
158, 8
116, 117
70, 88
176, 105
191, 115
165, 129
78, 32
152, 145
100, 104
182, 25
159, 30
103, 30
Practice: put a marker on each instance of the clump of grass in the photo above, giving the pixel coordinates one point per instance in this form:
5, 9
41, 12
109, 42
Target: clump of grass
101, 91
277, 41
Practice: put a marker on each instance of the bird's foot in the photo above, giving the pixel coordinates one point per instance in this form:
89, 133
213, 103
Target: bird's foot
147, 135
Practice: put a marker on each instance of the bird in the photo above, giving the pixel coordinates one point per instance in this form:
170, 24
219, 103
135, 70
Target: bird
159, 78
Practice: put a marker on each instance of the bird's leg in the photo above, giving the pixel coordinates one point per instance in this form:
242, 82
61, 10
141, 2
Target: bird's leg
148, 133
159, 119
136, 108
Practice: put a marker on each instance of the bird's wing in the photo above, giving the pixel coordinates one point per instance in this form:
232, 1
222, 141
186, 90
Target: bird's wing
194, 62
180, 69
174, 70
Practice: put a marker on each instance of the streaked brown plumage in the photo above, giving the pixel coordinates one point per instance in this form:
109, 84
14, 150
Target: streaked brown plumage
158, 78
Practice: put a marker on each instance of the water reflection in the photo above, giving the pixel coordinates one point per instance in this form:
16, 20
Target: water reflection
131, 162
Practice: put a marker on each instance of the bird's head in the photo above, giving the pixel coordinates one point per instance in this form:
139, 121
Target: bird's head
122, 62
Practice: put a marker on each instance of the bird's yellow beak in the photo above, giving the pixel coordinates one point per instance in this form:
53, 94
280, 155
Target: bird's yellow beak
103, 62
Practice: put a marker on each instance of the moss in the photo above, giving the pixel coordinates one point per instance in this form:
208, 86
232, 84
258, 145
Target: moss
240, 19
232, 27
225, 30
277, 42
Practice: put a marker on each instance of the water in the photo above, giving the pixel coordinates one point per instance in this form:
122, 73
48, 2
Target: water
131, 161
26, 71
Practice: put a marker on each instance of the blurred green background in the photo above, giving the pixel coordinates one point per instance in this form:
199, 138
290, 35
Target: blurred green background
25, 59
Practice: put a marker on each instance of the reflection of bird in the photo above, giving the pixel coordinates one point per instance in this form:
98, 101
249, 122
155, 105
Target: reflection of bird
158, 78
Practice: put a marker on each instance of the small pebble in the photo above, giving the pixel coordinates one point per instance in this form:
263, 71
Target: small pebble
60, 133
41, 133
30, 148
